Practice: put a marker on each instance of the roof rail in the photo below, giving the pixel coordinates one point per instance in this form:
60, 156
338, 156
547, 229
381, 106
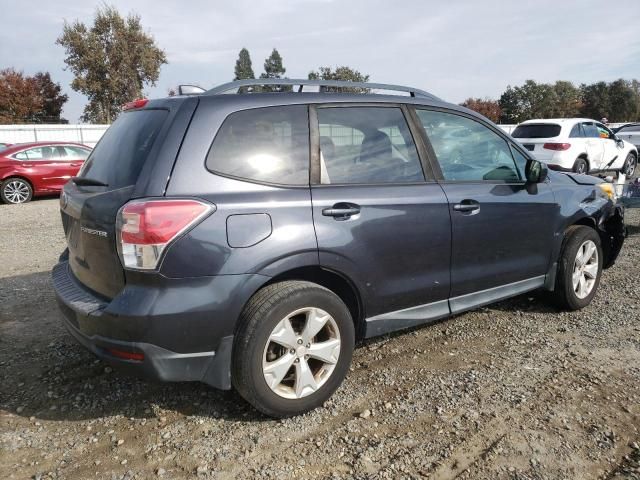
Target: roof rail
234, 87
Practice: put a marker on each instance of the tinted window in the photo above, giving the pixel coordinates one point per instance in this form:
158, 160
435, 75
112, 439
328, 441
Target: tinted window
367, 145
468, 150
576, 131
265, 144
590, 130
121, 152
76, 153
536, 130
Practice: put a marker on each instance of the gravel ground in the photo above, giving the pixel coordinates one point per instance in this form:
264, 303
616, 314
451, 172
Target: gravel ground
518, 390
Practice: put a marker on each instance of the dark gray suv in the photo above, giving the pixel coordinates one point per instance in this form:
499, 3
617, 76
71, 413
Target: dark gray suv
251, 234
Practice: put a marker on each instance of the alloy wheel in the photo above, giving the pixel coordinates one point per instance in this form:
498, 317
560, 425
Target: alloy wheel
585, 269
631, 166
16, 191
301, 353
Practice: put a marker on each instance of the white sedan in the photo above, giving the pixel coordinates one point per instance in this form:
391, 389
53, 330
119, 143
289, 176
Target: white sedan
578, 145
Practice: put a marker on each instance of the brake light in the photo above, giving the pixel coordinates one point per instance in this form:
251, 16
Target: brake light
139, 103
557, 146
146, 227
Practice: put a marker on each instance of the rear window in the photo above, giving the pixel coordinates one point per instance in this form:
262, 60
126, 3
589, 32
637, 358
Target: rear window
121, 152
265, 145
536, 130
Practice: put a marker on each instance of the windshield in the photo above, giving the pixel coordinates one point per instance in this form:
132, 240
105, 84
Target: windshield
121, 152
536, 130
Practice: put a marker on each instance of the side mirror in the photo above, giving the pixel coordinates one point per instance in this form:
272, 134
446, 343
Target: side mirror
536, 172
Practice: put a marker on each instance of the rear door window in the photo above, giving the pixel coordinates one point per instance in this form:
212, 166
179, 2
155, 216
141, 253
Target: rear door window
537, 130
123, 149
590, 130
77, 153
360, 145
268, 145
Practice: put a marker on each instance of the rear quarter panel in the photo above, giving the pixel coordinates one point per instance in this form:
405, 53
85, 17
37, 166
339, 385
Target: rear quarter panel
207, 250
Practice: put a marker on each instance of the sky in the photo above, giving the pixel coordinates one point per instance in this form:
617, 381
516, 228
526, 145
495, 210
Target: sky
454, 49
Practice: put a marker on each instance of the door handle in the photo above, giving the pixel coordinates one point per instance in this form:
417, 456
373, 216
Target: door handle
341, 211
76, 164
467, 206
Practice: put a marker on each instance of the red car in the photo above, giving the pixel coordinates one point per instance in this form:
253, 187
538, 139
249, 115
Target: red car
29, 170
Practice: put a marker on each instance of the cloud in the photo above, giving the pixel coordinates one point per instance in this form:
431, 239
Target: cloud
454, 49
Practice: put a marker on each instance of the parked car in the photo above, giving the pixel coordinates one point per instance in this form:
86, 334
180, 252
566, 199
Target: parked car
252, 239
29, 170
577, 145
4, 145
630, 133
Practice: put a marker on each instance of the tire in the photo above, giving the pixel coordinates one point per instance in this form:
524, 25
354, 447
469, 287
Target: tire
578, 240
16, 190
630, 165
255, 353
581, 166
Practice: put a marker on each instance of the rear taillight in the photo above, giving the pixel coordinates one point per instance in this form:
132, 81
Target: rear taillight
557, 146
146, 227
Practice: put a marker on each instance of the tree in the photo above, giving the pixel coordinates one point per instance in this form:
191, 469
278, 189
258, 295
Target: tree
595, 100
273, 69
568, 100
510, 106
343, 73
531, 100
487, 107
538, 99
112, 61
273, 66
25, 99
52, 99
622, 101
243, 68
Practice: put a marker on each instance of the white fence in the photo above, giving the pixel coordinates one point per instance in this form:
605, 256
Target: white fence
86, 134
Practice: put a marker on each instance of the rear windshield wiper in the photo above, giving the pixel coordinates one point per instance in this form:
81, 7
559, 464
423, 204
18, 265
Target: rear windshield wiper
84, 181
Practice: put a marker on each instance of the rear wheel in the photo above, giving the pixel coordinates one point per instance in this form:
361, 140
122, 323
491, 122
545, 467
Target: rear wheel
16, 190
293, 348
579, 268
630, 164
581, 166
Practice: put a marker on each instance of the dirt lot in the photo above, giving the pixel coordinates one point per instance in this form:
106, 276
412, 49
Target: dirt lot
518, 390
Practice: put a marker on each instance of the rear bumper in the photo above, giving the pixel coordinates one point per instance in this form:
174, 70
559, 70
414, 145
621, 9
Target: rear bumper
183, 327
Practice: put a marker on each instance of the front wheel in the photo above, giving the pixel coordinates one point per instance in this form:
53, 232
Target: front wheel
15, 190
581, 166
579, 268
630, 164
293, 348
